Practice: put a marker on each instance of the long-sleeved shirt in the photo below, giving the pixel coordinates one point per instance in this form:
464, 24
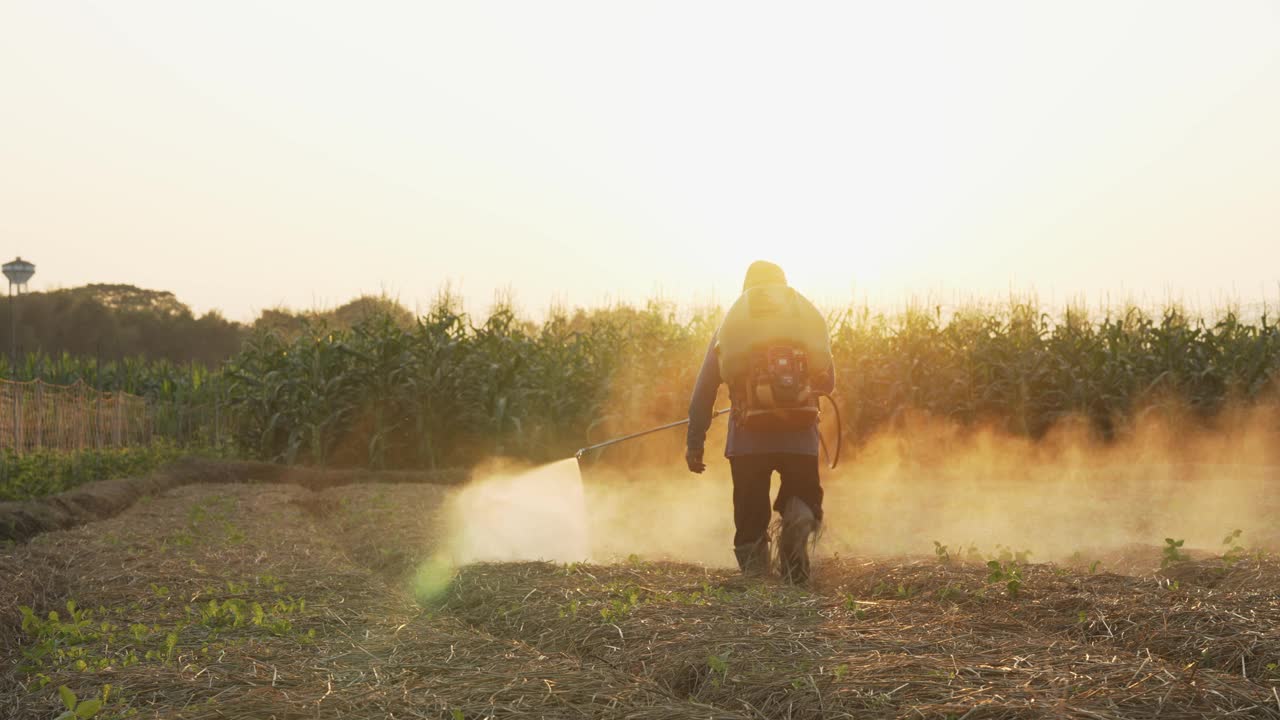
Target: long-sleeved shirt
742, 441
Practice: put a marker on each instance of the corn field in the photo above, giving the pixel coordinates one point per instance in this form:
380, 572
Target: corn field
448, 390
1025, 370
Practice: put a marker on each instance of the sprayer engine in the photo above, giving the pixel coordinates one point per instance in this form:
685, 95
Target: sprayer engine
778, 394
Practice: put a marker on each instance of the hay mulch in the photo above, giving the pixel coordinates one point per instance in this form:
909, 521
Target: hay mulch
896, 640
360, 645
342, 633
21, 521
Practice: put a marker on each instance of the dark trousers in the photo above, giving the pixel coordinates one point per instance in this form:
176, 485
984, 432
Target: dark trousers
751, 477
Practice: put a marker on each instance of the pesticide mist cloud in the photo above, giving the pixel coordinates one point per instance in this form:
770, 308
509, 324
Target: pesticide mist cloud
1067, 496
522, 514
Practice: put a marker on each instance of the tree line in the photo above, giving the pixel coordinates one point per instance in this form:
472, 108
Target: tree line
111, 322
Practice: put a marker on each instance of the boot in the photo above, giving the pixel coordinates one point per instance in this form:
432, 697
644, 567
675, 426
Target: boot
753, 558
798, 525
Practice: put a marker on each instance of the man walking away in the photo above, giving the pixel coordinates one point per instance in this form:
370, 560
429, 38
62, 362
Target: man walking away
774, 353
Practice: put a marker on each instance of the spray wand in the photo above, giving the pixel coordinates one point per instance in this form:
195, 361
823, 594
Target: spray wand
833, 458
642, 433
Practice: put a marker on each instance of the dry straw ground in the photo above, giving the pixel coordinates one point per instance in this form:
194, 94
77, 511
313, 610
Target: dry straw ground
234, 600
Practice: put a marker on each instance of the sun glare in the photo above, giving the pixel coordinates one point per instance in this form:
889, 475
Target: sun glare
584, 152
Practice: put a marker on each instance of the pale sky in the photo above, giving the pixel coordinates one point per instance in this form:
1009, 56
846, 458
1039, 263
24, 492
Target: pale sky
252, 154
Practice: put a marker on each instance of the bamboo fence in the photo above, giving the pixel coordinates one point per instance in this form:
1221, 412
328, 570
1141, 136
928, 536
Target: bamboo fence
36, 415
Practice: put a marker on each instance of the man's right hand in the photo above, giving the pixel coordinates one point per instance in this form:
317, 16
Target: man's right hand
693, 458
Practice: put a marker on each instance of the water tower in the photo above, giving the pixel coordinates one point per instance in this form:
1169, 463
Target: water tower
18, 271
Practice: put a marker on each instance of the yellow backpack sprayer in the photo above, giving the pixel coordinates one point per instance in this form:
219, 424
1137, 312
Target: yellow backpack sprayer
771, 346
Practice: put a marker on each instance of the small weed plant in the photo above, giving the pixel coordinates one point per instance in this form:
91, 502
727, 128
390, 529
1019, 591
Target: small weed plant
719, 666
854, 606
1235, 552
1007, 573
624, 599
1007, 555
1172, 553
77, 709
940, 552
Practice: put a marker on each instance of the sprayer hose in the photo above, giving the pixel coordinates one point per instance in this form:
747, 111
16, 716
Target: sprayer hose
833, 460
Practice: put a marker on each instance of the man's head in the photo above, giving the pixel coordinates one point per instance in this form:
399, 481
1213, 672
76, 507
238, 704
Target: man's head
763, 273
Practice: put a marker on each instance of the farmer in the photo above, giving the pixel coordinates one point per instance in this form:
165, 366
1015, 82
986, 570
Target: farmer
774, 353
